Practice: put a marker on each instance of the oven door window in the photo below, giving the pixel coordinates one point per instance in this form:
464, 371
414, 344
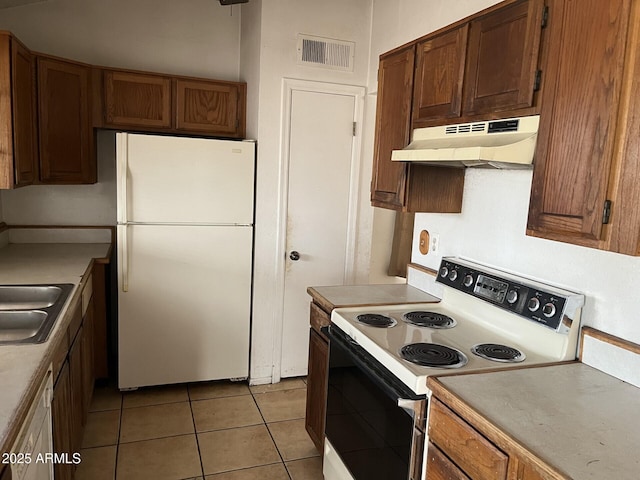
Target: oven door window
370, 433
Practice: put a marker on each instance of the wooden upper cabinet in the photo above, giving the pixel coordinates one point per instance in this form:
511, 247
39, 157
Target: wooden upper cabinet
67, 154
210, 107
580, 107
392, 128
135, 99
502, 58
439, 74
19, 155
169, 104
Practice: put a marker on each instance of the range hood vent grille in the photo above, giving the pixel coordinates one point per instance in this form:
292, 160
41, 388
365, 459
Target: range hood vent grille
325, 53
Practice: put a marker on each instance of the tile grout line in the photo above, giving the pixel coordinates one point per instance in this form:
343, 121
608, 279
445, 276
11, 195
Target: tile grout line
115, 467
270, 435
195, 431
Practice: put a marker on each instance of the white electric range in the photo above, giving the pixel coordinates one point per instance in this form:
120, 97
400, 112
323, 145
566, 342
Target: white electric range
381, 356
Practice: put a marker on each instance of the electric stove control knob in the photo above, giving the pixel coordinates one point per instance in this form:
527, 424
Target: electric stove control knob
533, 304
549, 310
468, 280
444, 271
453, 275
512, 297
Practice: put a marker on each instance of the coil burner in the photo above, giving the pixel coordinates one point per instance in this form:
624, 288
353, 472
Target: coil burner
429, 319
433, 355
498, 353
376, 320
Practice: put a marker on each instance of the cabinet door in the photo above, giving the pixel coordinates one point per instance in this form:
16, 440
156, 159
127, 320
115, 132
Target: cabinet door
317, 388
88, 369
580, 103
25, 152
136, 100
77, 392
209, 107
61, 417
502, 58
67, 155
439, 76
392, 131
18, 155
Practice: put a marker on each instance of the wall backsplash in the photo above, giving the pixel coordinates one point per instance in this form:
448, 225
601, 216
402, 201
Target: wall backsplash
491, 229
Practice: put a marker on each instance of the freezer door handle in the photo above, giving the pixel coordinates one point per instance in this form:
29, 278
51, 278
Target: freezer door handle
122, 168
124, 267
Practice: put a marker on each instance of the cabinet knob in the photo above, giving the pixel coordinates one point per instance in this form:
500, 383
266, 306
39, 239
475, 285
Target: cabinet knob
295, 256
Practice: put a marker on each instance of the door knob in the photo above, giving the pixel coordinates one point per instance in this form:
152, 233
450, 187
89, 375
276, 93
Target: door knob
295, 256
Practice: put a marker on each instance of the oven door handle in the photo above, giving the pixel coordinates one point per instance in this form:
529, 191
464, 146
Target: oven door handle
412, 407
378, 373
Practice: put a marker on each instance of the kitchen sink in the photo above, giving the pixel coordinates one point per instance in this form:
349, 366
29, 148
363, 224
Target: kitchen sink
29, 312
27, 297
19, 325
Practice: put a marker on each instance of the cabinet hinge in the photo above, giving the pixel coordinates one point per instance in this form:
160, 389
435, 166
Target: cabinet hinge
354, 129
606, 212
545, 16
538, 79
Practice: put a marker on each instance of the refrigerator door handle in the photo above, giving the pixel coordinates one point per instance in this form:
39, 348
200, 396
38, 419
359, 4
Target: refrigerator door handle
123, 174
124, 268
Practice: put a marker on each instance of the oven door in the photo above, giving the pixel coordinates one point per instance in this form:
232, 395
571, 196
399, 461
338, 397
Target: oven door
374, 422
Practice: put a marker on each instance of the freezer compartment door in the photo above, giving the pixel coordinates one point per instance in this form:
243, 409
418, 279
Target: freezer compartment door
186, 312
184, 180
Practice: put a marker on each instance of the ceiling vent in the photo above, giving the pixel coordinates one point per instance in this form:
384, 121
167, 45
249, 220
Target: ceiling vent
325, 53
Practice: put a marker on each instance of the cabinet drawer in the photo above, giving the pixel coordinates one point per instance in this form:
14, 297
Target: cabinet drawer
467, 448
318, 318
439, 467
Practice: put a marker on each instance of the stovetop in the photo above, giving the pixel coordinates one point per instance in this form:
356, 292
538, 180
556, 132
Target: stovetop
478, 317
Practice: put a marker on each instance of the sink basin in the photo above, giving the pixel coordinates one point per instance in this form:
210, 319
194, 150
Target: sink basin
28, 297
21, 324
29, 312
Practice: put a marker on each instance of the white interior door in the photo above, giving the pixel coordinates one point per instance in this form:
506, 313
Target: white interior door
321, 153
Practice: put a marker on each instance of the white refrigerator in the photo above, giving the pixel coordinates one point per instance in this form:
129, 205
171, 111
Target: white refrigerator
184, 253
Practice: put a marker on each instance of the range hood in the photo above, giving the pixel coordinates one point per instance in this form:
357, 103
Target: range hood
508, 143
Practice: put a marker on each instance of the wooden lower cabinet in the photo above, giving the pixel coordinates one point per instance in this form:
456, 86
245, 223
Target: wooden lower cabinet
467, 448
88, 364
73, 362
439, 467
458, 450
317, 377
61, 416
77, 392
5, 473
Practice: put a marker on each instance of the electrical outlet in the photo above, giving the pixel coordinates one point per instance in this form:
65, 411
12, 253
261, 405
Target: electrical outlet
435, 243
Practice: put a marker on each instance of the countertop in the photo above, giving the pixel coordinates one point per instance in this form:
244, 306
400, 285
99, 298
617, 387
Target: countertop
331, 297
576, 419
22, 366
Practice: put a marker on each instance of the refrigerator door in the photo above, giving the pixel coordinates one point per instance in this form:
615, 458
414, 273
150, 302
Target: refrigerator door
185, 316
184, 180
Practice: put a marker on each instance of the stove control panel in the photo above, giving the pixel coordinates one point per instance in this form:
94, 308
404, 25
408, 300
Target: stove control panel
530, 299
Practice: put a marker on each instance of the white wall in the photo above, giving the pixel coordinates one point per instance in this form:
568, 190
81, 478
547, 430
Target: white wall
282, 20
491, 227
186, 37
68, 204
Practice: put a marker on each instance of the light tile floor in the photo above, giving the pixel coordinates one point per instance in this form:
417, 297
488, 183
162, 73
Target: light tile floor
212, 431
